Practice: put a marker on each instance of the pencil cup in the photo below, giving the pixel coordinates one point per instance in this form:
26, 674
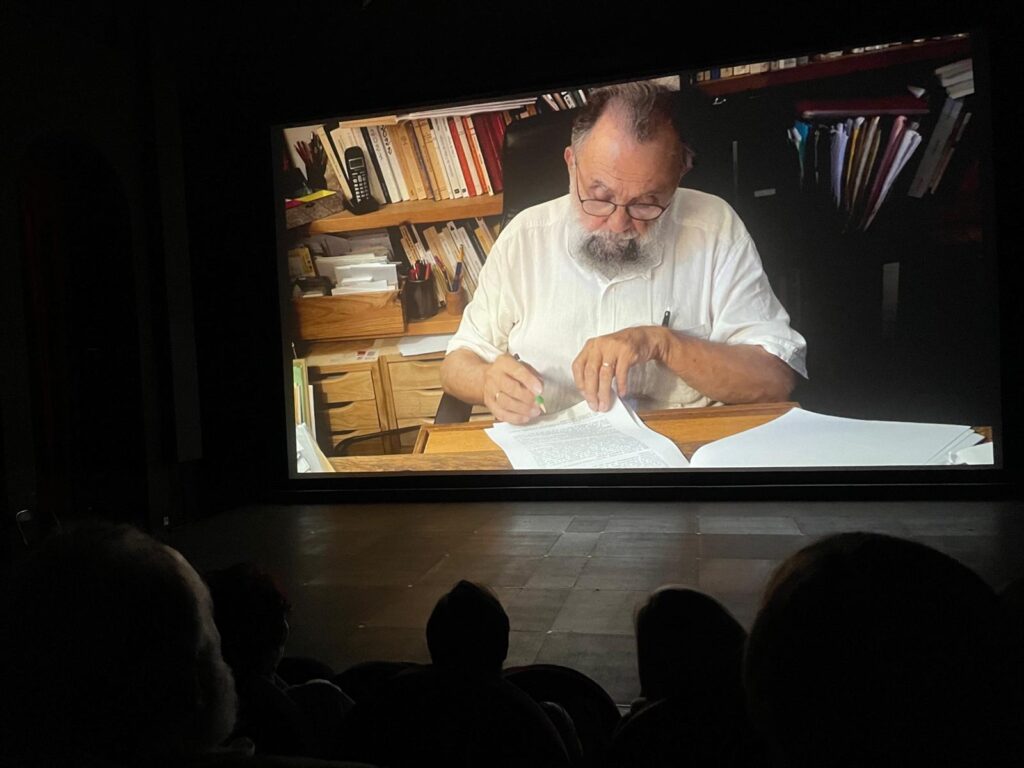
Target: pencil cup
455, 301
419, 300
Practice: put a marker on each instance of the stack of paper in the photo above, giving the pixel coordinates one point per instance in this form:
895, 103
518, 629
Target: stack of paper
801, 438
421, 345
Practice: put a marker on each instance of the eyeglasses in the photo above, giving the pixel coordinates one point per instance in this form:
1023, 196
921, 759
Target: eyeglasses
605, 208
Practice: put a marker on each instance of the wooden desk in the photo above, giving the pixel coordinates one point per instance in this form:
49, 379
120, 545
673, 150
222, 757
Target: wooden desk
466, 447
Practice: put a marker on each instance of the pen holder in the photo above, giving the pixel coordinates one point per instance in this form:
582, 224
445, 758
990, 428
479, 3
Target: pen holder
455, 301
419, 299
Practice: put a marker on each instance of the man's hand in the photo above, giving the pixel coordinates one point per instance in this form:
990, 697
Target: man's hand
606, 357
510, 387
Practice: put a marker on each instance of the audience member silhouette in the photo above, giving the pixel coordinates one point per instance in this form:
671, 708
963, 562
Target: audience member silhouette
111, 656
688, 645
876, 651
691, 710
457, 710
252, 615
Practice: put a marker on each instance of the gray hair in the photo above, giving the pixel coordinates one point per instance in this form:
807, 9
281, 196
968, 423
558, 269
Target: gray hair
644, 108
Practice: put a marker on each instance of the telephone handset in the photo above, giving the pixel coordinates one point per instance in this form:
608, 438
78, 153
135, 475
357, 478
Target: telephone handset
358, 178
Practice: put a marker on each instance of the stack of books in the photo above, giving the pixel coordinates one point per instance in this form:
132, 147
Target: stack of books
558, 101
445, 246
442, 154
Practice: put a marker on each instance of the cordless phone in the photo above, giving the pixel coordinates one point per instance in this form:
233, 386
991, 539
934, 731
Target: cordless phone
359, 180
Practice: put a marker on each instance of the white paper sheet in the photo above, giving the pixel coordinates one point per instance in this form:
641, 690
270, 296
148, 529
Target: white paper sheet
578, 438
978, 454
421, 345
801, 438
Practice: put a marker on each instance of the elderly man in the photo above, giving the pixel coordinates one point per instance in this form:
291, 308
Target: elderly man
627, 284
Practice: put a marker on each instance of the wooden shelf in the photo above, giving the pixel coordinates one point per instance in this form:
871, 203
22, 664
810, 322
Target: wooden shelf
415, 211
843, 65
440, 323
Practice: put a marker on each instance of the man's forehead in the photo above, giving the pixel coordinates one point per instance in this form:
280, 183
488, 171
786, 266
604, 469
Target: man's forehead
611, 154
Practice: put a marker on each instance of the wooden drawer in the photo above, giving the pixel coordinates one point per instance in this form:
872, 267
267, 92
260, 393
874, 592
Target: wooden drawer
416, 403
415, 374
422, 404
353, 316
344, 387
361, 414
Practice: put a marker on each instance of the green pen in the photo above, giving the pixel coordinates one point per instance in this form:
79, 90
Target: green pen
536, 398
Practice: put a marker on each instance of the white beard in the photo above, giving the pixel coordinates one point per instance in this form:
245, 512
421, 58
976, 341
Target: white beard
614, 254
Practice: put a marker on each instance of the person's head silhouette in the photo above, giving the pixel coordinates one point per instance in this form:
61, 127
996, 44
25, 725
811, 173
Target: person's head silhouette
468, 631
113, 652
873, 650
687, 643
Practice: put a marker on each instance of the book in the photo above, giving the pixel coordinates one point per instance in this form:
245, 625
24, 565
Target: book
371, 134
957, 132
477, 153
446, 149
851, 152
414, 144
936, 144
410, 167
485, 132
961, 89
432, 161
869, 147
954, 68
391, 152
458, 131
908, 144
888, 156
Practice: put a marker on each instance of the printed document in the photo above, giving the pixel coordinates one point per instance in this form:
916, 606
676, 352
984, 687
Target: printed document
578, 438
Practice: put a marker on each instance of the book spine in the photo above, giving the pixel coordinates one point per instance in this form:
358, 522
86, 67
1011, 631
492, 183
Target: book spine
380, 163
400, 139
486, 131
443, 138
435, 160
478, 156
391, 152
429, 160
936, 144
459, 140
415, 146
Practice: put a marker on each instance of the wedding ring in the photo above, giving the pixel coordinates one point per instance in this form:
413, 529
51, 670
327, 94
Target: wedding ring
606, 365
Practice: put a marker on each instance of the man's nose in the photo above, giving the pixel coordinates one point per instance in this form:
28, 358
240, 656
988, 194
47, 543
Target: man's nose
619, 221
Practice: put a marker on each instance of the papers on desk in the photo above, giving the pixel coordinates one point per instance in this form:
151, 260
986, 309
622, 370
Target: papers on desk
421, 345
801, 438
578, 438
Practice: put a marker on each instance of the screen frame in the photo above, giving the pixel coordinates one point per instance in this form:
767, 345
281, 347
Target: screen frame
999, 481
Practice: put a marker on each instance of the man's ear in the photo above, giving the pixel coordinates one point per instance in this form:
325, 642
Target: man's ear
568, 159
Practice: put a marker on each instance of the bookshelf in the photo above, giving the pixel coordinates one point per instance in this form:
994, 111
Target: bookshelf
415, 212
843, 65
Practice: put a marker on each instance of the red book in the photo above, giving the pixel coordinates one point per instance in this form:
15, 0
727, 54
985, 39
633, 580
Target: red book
470, 187
492, 155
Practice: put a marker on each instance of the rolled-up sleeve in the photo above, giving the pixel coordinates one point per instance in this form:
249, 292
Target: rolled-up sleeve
745, 310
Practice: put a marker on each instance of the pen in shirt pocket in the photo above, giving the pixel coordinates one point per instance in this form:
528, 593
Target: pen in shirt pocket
537, 398
666, 318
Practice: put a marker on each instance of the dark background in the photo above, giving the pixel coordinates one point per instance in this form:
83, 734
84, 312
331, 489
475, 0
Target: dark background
140, 343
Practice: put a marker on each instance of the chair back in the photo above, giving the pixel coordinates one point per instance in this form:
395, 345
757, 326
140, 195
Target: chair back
591, 708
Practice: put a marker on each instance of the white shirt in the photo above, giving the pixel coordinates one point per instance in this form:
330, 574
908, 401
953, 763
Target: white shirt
535, 300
